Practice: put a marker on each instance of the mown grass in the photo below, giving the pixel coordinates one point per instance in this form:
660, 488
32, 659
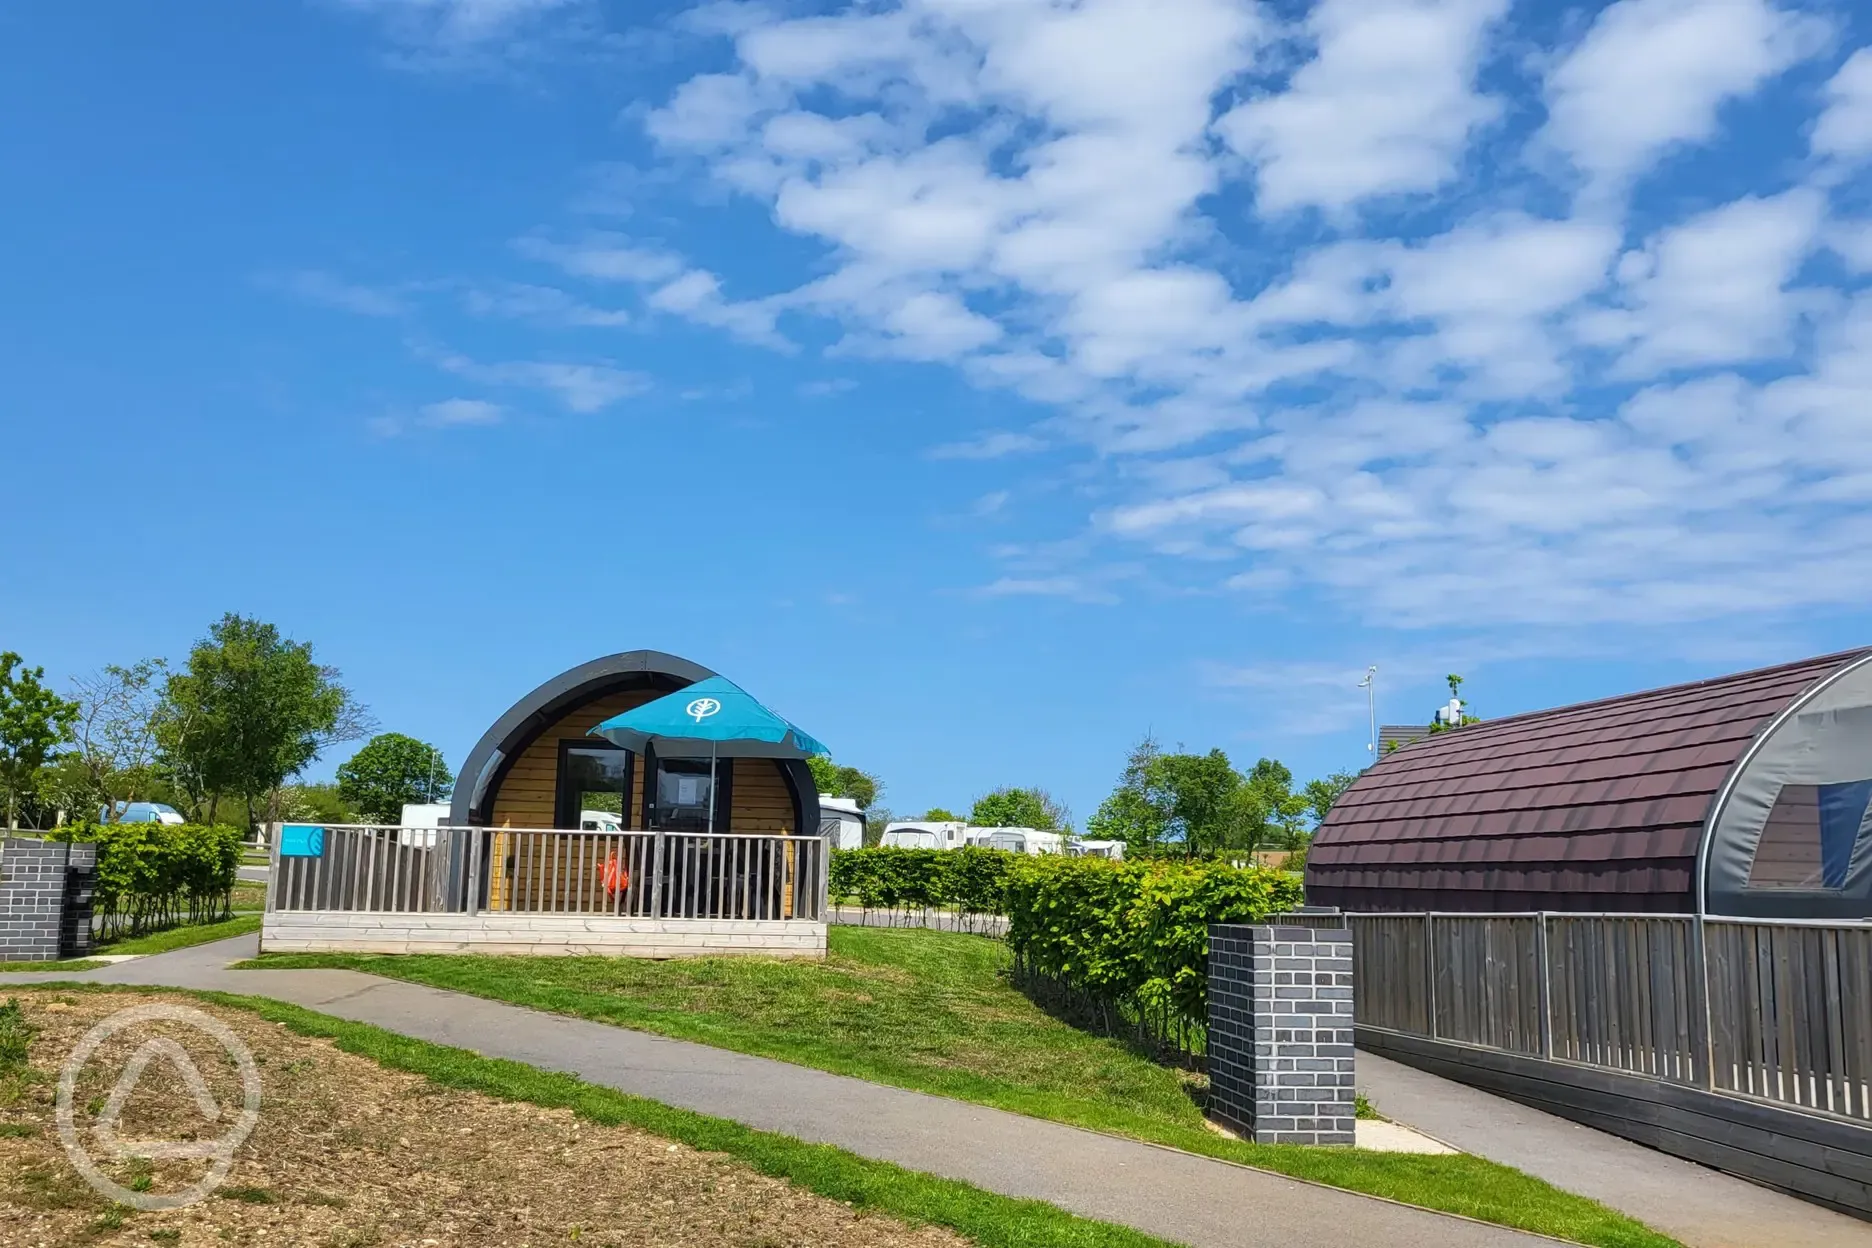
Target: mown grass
182, 937
989, 1219
935, 1012
67, 964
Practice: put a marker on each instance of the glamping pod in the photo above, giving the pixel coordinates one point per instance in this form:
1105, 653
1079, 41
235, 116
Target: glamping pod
1741, 796
537, 767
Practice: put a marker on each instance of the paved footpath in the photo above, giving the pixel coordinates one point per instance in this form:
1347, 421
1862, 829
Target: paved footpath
1177, 1196
1702, 1207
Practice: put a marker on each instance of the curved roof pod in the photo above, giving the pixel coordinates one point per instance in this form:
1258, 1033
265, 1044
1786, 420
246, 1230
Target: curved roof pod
651, 670
1599, 806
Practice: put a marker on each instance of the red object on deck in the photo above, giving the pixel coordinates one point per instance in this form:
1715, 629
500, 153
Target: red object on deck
614, 875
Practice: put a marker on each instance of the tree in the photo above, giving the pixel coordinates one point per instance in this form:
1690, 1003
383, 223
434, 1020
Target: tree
115, 730
1020, 808
1201, 795
833, 780
251, 709
33, 721
311, 803
1321, 794
392, 771
1131, 814
936, 814
1284, 818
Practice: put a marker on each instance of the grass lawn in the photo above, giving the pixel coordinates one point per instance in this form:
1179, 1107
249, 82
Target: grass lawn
989, 1219
183, 937
71, 964
934, 1011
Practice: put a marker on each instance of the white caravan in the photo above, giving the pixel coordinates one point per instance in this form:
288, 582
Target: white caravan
1017, 840
922, 835
841, 822
419, 822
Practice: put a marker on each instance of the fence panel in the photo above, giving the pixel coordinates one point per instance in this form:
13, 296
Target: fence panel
383, 869
1488, 988
1390, 965
1626, 994
1791, 1013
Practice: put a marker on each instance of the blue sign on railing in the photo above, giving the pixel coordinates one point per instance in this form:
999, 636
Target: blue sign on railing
302, 840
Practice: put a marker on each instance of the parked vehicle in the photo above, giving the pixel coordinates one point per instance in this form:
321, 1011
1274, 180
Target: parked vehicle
1096, 849
841, 822
921, 835
140, 812
1017, 840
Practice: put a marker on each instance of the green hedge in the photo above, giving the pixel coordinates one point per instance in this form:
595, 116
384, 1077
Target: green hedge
969, 883
156, 875
1124, 945
1127, 943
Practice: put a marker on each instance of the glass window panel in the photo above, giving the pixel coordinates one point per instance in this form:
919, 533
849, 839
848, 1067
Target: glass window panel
593, 787
682, 796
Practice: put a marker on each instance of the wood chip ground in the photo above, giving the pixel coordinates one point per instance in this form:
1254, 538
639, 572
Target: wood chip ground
348, 1154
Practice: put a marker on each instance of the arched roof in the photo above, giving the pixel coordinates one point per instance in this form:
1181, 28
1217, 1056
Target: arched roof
1597, 806
546, 705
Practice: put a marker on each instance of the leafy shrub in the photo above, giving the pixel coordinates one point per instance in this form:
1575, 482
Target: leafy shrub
156, 875
1127, 943
967, 882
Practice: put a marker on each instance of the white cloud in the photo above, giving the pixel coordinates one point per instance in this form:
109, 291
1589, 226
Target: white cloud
989, 446
578, 387
604, 257
1652, 74
546, 304
1387, 106
334, 292
1714, 289
696, 296
451, 412
1074, 588
1844, 130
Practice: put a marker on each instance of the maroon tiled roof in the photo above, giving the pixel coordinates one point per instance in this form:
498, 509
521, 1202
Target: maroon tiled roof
1598, 806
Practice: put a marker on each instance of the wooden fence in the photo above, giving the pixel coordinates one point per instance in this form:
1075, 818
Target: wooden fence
1742, 1044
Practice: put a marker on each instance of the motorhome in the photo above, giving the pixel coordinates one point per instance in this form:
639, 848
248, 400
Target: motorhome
1017, 840
841, 822
923, 835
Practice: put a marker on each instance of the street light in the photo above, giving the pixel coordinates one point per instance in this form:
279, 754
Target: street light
1370, 686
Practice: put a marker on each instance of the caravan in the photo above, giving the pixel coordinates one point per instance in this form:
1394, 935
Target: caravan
921, 835
1017, 840
841, 822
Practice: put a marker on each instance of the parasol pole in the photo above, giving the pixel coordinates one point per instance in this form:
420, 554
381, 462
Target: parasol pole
711, 786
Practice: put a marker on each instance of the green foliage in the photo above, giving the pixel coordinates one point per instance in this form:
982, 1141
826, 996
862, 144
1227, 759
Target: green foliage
33, 721
1132, 814
314, 803
1128, 942
249, 710
15, 1036
937, 814
1020, 808
393, 770
115, 736
1464, 718
155, 875
833, 780
969, 882
1321, 795
1201, 804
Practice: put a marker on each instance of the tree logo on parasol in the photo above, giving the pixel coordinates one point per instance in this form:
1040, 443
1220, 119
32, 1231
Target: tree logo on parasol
702, 708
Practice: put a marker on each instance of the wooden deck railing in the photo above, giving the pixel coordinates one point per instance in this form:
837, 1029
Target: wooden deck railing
665, 875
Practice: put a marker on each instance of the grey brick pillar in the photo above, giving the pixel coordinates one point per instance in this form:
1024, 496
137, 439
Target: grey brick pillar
1280, 1032
45, 899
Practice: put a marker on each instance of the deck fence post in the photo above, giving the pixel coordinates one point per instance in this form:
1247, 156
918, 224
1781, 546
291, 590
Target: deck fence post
273, 866
1429, 955
471, 904
1706, 1050
656, 875
1546, 986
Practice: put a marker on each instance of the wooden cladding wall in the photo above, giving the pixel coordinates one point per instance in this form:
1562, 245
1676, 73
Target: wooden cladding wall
528, 793
760, 801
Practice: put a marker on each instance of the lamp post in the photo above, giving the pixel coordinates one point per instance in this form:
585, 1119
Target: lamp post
1370, 686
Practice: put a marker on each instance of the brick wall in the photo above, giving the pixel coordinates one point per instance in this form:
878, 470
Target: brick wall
1280, 1033
45, 899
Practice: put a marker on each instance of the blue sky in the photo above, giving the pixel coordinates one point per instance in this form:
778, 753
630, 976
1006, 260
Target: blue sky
979, 382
